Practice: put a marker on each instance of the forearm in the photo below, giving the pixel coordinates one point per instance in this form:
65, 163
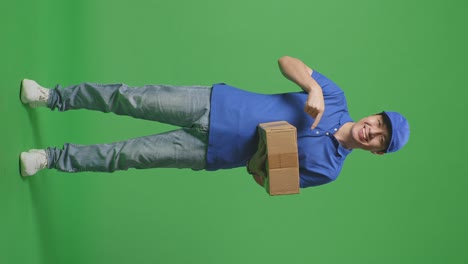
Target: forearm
299, 73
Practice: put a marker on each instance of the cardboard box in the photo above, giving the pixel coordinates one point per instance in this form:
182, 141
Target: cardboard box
282, 165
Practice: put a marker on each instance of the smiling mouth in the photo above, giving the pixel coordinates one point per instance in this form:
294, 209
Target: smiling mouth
364, 135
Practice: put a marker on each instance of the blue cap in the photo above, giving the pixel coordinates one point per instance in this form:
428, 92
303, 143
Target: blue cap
399, 131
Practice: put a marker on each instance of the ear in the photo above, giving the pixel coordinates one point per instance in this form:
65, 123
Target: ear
378, 152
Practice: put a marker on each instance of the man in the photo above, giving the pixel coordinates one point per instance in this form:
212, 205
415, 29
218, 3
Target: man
218, 126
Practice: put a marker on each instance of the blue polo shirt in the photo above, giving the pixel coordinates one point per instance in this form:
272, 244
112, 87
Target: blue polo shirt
235, 115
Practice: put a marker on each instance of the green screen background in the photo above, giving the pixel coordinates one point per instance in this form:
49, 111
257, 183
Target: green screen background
408, 56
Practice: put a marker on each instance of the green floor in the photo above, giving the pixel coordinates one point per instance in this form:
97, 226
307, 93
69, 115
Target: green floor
409, 56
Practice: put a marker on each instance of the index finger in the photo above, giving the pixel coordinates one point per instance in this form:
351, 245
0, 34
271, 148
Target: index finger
317, 120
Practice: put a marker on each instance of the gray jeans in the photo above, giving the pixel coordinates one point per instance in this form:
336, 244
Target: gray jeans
185, 106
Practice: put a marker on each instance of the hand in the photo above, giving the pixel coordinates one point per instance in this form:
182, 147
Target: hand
315, 106
256, 165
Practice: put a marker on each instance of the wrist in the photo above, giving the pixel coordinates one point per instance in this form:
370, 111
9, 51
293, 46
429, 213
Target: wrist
311, 86
314, 88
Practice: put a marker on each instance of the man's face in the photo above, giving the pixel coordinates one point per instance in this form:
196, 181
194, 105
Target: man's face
371, 133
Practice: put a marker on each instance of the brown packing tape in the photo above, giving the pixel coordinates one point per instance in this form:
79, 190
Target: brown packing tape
282, 127
278, 128
285, 160
274, 124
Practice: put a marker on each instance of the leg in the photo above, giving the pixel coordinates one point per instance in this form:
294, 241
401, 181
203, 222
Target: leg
176, 105
183, 148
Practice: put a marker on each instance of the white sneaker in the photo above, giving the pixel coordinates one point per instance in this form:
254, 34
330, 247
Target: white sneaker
34, 94
33, 161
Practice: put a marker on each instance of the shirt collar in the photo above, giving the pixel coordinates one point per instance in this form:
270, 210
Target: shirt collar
345, 118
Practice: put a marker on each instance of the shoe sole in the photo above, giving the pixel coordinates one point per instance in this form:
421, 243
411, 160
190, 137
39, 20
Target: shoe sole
22, 166
23, 99
19, 165
21, 92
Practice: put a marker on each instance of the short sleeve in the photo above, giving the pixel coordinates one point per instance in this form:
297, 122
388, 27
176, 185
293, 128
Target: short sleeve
328, 86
